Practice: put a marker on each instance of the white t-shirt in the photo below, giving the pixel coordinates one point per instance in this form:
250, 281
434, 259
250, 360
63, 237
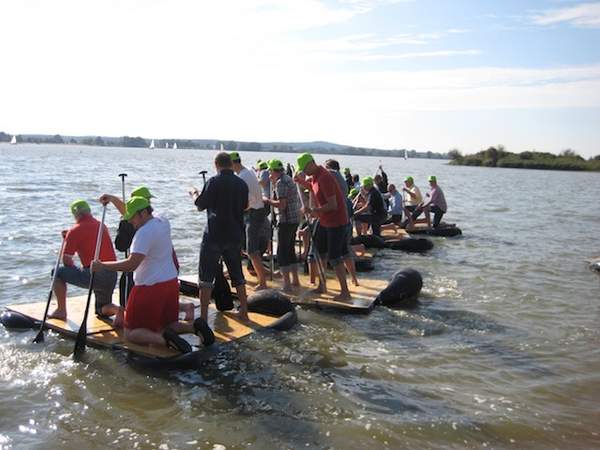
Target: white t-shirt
254, 191
408, 200
153, 240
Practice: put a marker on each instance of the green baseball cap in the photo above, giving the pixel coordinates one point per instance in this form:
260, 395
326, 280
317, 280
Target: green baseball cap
408, 179
142, 191
347, 170
432, 178
367, 182
263, 165
80, 207
303, 160
235, 156
353, 193
134, 206
275, 164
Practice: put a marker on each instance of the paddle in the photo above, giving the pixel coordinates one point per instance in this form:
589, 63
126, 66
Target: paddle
80, 342
316, 253
124, 281
273, 225
40, 335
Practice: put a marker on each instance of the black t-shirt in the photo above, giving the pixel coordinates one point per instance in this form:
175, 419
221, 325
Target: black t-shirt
376, 203
225, 197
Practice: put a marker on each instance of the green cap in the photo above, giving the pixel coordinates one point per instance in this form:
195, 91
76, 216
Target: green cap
235, 156
408, 179
135, 205
80, 207
353, 193
347, 170
303, 160
263, 165
432, 178
275, 164
367, 182
142, 191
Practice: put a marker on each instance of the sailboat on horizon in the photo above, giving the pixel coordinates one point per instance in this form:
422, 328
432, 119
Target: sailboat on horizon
174, 145
405, 154
13, 141
151, 147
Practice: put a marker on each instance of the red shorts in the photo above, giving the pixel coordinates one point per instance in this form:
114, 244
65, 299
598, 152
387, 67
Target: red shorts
153, 307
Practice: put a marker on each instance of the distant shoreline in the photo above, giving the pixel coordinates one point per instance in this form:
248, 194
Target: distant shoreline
317, 147
568, 160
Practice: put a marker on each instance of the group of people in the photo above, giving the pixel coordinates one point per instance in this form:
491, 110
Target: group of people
244, 207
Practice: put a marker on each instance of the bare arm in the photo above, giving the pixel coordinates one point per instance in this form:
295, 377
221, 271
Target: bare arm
116, 201
125, 265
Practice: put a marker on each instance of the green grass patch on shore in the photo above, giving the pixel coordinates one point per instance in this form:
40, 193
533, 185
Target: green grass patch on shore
499, 157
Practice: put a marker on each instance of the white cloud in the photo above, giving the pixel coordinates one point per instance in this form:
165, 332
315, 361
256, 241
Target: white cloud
582, 15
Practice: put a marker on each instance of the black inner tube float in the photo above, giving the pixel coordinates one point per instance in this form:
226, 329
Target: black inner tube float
403, 290
274, 303
410, 244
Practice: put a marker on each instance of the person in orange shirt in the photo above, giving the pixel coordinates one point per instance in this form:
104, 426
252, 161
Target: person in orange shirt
80, 240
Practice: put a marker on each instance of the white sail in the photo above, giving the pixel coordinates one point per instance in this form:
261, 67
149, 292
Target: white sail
405, 154
152, 144
175, 146
222, 149
166, 145
14, 139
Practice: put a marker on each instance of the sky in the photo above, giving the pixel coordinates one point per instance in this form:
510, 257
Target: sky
417, 74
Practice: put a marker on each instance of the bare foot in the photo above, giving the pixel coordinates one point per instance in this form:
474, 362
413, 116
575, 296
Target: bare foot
319, 290
355, 282
118, 321
58, 314
343, 297
188, 309
242, 315
261, 287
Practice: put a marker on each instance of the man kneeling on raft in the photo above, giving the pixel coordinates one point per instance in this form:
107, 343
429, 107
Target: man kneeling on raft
152, 313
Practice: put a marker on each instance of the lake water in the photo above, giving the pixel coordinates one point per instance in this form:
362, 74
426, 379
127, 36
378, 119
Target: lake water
504, 351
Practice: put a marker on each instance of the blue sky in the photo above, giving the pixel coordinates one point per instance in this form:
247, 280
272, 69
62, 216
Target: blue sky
422, 74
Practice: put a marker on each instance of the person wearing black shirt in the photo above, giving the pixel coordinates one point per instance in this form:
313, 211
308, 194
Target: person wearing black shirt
374, 211
225, 198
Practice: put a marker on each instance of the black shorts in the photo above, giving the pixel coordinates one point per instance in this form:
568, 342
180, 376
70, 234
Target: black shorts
333, 242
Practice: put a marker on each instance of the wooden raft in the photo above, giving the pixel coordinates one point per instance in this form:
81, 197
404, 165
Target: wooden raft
363, 296
225, 325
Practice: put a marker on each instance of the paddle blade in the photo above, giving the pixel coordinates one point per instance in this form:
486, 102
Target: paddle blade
80, 343
39, 337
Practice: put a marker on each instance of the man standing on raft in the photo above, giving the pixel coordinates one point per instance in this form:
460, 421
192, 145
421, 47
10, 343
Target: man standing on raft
332, 215
225, 198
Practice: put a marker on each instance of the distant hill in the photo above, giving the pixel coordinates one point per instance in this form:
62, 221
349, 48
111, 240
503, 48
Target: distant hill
214, 144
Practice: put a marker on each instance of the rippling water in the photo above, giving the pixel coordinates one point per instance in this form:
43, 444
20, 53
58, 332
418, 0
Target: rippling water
503, 353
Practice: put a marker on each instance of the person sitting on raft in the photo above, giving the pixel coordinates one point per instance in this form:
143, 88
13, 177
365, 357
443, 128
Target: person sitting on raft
289, 207
126, 232
80, 239
412, 199
331, 211
225, 198
395, 206
152, 312
436, 202
373, 212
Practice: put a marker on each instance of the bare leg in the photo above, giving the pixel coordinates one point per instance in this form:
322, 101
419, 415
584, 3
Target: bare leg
340, 272
205, 293
295, 279
182, 327
322, 287
117, 311
60, 291
351, 267
241, 292
144, 336
359, 249
287, 286
188, 309
260, 271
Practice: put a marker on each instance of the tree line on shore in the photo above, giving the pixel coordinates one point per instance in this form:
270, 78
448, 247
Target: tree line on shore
215, 144
498, 157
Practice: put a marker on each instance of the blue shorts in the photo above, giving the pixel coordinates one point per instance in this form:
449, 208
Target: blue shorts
210, 253
104, 283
